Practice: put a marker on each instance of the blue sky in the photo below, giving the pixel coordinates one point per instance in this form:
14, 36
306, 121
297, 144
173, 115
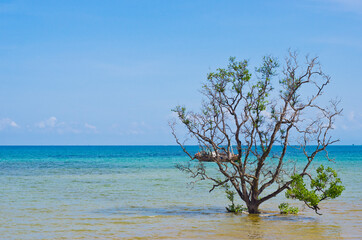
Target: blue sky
108, 72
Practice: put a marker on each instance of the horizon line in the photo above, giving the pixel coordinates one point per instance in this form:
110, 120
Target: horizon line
129, 145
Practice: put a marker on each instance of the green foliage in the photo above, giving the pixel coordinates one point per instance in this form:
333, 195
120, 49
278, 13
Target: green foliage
286, 209
232, 207
181, 111
326, 185
231, 78
236, 208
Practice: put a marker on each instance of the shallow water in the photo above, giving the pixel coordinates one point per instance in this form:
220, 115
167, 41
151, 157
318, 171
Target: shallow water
136, 193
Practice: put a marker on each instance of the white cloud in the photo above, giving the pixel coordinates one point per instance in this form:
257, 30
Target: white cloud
135, 132
351, 116
89, 126
352, 121
138, 128
133, 128
7, 122
50, 122
13, 124
138, 124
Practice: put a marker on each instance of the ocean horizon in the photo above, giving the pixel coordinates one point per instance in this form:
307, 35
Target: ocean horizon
128, 192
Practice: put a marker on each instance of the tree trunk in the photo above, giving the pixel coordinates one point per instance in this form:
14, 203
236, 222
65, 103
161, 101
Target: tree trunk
253, 208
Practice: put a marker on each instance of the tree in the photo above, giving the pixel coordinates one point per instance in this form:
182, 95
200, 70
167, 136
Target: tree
247, 126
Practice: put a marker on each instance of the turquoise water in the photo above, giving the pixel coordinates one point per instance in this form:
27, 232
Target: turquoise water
127, 192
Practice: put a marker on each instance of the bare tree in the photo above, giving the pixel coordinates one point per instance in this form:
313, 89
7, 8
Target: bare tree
243, 117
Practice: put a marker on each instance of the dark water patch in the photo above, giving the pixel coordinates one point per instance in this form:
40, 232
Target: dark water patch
288, 218
189, 211
168, 211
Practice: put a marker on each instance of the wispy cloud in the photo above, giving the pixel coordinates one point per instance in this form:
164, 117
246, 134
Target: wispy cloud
7, 122
351, 116
354, 6
50, 122
89, 126
138, 128
133, 128
352, 121
338, 40
351, 5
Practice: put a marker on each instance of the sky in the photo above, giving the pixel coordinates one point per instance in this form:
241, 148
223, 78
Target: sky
109, 72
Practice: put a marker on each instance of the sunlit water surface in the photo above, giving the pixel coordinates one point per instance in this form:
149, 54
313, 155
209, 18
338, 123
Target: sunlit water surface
137, 193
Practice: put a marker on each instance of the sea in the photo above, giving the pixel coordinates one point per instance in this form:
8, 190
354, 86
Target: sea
136, 192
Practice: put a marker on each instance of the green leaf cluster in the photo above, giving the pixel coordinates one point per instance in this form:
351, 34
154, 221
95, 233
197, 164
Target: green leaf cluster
286, 209
231, 78
326, 185
181, 111
234, 208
